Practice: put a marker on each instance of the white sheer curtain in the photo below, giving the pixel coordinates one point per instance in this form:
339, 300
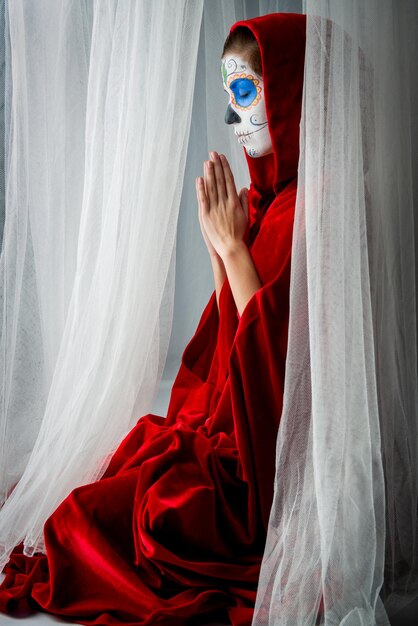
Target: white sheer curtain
343, 524
98, 109
111, 108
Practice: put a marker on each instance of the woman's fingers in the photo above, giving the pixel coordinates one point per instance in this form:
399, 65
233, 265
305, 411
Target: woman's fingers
229, 177
210, 180
219, 175
201, 195
203, 208
243, 197
199, 213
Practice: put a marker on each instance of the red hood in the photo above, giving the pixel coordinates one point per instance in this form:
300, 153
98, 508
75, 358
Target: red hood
281, 38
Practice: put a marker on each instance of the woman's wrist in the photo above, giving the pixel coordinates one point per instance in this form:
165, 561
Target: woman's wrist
234, 249
214, 257
242, 274
217, 262
219, 274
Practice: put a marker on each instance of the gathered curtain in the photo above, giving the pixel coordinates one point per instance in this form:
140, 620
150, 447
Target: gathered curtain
342, 536
97, 123
110, 109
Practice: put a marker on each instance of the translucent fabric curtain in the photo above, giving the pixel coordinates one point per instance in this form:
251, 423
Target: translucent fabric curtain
342, 536
98, 107
111, 108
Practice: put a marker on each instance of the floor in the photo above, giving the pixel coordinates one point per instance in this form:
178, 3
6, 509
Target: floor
409, 617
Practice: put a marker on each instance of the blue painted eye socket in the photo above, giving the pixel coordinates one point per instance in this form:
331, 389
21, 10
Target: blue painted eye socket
244, 91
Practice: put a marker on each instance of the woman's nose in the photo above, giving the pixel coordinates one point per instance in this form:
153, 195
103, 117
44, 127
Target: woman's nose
231, 116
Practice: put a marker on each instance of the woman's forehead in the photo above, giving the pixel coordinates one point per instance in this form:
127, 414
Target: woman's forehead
234, 63
231, 59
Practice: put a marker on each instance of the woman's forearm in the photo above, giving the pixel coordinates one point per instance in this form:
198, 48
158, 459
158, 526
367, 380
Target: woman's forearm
242, 274
219, 274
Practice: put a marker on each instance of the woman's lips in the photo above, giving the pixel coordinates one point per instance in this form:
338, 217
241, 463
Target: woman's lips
243, 137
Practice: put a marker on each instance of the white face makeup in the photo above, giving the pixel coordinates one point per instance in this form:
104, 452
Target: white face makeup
246, 109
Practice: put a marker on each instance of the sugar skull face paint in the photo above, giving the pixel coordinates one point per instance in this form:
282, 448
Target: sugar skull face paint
246, 108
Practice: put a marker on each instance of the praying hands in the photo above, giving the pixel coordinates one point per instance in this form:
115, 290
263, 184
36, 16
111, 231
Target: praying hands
223, 217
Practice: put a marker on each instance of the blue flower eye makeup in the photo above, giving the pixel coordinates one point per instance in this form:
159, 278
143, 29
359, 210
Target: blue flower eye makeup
246, 91
246, 109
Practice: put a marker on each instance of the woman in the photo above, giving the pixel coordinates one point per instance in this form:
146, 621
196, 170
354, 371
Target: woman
174, 531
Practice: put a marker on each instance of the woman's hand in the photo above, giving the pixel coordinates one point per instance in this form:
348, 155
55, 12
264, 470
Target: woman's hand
223, 214
212, 252
218, 268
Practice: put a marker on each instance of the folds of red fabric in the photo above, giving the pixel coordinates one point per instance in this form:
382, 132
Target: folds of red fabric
175, 529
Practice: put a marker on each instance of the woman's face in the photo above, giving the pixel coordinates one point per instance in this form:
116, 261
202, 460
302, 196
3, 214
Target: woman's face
246, 108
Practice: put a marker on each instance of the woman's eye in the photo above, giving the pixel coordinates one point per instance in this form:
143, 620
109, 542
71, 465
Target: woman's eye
244, 91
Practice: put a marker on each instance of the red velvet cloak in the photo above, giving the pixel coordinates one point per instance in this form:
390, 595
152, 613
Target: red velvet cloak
174, 531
